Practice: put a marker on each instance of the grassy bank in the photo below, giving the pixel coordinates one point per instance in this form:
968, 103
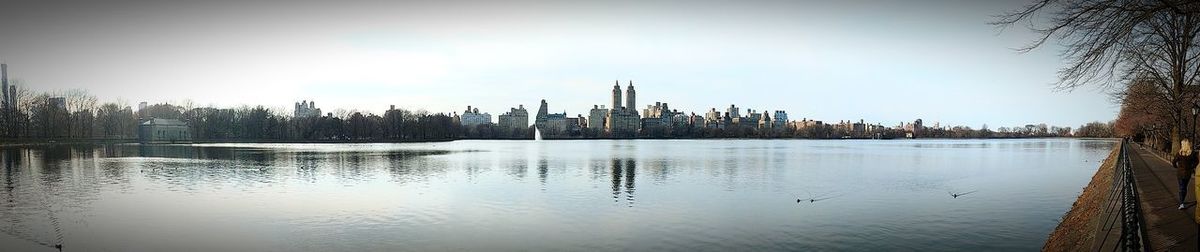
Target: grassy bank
1076, 231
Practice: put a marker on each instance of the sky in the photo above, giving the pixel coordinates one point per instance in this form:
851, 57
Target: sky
881, 61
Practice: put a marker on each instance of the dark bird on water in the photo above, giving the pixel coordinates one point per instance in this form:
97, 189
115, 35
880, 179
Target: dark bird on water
955, 195
817, 198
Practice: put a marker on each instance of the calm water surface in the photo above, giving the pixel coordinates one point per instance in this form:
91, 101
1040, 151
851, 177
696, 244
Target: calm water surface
708, 195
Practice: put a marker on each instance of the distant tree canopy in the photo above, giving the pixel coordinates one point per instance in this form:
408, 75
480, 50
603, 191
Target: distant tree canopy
1095, 129
80, 118
41, 118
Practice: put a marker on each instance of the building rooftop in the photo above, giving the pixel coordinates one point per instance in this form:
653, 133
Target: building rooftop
168, 122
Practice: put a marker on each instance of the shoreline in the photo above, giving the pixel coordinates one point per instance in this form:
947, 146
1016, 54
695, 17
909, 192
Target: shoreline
55, 142
1076, 229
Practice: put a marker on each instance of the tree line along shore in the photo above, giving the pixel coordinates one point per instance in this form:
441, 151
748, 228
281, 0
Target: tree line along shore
76, 116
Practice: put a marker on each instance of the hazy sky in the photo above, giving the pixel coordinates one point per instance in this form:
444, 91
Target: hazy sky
885, 61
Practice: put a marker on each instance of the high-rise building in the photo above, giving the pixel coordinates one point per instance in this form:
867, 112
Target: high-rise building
472, 117
142, 106
616, 95
697, 121
515, 118
596, 117
712, 119
306, 109
658, 110
781, 118
630, 97
765, 121
574, 124
8, 98
660, 114
752, 116
623, 121
12, 96
550, 124
4, 78
733, 111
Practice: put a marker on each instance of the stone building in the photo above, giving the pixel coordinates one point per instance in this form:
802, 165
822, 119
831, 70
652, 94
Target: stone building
752, 118
575, 124
732, 111
623, 121
765, 122
697, 121
781, 118
655, 111
712, 119
597, 117
550, 124
306, 109
472, 117
914, 129
164, 131
660, 114
805, 123
515, 118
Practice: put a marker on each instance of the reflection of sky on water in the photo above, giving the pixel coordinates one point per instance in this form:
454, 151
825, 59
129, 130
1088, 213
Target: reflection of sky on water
550, 195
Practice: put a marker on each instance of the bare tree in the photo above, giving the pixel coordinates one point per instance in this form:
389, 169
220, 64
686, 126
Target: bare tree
1116, 41
79, 100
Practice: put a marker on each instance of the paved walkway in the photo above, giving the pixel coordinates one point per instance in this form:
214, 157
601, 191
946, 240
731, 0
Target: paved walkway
1169, 228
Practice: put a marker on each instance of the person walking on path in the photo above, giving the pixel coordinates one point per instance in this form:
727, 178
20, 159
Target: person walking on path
1185, 162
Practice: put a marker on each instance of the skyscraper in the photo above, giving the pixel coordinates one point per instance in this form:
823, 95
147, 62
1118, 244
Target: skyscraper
630, 97
8, 99
12, 95
616, 96
623, 121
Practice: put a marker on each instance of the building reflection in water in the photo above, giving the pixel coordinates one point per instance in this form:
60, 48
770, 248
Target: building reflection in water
543, 169
623, 170
473, 166
518, 168
409, 167
10, 158
307, 167
598, 166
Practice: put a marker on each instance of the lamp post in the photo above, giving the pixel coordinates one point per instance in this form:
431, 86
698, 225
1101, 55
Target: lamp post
1195, 112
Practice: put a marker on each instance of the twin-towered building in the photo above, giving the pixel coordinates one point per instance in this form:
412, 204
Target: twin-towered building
623, 120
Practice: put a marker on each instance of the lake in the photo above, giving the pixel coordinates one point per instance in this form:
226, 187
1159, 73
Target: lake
585, 195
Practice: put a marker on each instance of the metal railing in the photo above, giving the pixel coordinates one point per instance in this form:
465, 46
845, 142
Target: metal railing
1123, 211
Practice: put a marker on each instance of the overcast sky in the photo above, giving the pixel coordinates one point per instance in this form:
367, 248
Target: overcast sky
885, 61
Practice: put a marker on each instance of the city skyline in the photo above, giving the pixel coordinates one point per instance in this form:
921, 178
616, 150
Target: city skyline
814, 60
